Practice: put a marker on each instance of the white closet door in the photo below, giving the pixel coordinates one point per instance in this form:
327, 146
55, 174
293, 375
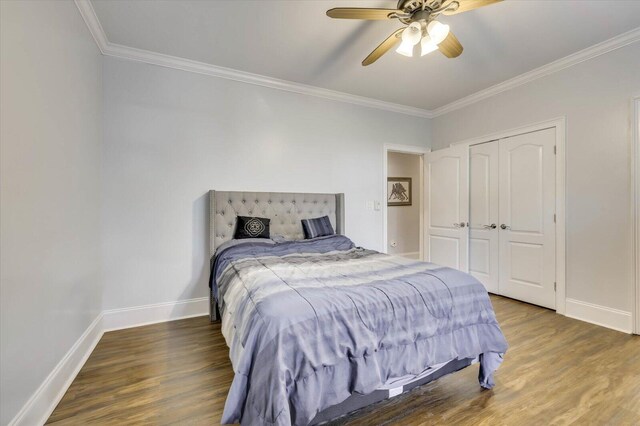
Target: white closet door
527, 210
447, 191
484, 236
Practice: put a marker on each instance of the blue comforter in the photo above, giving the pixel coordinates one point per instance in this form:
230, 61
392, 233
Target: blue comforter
308, 323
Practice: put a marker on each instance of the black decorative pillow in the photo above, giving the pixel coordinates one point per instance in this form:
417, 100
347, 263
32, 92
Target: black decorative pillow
252, 227
317, 227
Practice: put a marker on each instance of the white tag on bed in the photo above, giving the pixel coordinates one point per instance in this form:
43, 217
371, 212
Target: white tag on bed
395, 392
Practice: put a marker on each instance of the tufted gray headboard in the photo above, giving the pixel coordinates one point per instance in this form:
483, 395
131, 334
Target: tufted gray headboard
283, 208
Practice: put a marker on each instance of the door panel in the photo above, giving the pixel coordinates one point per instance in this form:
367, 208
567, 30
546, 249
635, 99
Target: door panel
447, 191
444, 251
483, 196
527, 210
527, 263
525, 174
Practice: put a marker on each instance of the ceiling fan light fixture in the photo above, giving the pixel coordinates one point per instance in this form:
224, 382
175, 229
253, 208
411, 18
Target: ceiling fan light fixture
427, 45
437, 31
410, 37
412, 34
405, 49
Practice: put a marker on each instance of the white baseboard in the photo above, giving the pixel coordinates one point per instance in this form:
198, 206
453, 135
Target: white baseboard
116, 319
410, 255
45, 399
599, 315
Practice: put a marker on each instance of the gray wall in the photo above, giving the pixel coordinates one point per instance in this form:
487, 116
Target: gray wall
403, 222
595, 96
170, 136
51, 112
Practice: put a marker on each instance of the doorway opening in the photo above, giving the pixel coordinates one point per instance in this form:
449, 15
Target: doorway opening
403, 206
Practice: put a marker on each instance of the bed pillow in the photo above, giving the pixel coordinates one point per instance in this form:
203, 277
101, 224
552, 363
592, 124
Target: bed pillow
251, 227
317, 227
233, 243
279, 239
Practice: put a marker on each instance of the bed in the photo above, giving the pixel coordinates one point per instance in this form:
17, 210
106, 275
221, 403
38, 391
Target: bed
319, 328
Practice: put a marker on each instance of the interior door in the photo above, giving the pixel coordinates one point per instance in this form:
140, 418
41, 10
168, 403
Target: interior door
484, 236
527, 216
447, 198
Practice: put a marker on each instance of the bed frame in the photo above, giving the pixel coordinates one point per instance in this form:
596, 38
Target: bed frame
285, 209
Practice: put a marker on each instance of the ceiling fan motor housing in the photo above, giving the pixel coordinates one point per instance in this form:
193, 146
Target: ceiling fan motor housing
414, 11
410, 6
421, 15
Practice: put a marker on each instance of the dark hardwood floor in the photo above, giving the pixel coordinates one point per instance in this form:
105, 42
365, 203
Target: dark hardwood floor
558, 371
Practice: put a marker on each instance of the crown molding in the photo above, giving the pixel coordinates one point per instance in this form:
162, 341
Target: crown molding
116, 50
594, 51
119, 51
88, 13
168, 61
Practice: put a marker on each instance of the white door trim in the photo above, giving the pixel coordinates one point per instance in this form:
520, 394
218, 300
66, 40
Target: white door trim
635, 208
560, 125
404, 149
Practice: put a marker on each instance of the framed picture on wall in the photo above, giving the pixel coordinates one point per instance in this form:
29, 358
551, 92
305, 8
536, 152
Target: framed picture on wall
398, 191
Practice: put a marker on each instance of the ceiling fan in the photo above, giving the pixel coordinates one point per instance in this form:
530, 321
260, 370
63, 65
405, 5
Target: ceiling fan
419, 16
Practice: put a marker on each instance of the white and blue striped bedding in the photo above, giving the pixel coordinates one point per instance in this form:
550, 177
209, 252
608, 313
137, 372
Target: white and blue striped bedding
310, 322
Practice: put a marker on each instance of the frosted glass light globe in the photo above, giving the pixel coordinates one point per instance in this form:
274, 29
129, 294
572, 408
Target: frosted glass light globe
437, 31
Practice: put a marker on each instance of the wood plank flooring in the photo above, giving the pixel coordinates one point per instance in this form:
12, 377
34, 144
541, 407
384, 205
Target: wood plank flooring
558, 371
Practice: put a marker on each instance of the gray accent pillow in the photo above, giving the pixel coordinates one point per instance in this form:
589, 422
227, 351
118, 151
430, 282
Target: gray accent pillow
317, 227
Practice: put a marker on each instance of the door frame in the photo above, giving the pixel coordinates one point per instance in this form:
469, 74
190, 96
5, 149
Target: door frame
560, 125
635, 208
403, 149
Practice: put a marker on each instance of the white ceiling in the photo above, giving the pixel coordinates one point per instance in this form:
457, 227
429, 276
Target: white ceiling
296, 41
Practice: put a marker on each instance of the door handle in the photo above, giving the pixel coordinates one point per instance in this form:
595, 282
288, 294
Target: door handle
503, 226
459, 225
492, 226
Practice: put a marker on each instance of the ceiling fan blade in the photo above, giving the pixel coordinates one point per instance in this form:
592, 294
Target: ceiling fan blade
450, 46
360, 13
466, 5
383, 48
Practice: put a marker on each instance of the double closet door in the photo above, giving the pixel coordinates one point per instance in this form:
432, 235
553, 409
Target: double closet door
491, 212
